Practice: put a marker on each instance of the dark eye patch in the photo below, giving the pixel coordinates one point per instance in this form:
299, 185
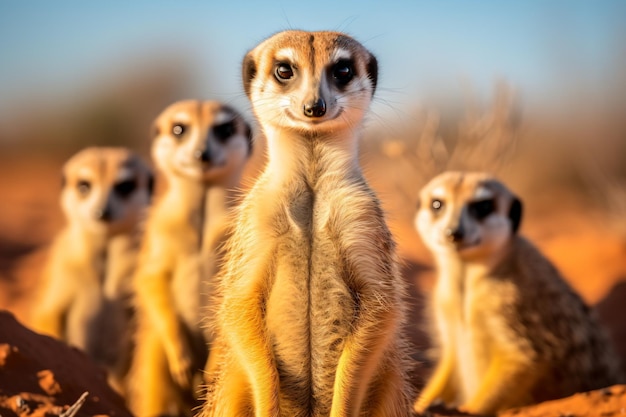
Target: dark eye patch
224, 131
83, 187
482, 208
125, 188
343, 72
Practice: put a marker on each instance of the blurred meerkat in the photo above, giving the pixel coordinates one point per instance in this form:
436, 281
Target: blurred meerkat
312, 300
200, 149
510, 329
86, 285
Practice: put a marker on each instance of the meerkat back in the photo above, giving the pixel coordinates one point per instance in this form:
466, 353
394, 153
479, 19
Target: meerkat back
200, 149
85, 289
509, 328
312, 301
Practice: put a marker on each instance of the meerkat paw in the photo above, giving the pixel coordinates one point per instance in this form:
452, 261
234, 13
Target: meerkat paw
421, 404
470, 408
179, 361
181, 372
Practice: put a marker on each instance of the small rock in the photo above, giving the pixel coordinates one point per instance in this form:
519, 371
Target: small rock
48, 383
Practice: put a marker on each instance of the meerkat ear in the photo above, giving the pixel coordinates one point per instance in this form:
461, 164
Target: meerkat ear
248, 133
372, 71
150, 184
248, 72
63, 180
515, 214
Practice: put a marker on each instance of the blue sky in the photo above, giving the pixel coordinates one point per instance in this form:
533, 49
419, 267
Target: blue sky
59, 47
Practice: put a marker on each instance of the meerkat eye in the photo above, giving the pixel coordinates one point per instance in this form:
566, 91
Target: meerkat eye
125, 188
481, 209
436, 205
178, 129
343, 72
83, 187
284, 71
224, 131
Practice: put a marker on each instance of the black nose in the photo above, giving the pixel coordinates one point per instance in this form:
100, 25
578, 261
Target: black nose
104, 214
455, 235
202, 155
315, 109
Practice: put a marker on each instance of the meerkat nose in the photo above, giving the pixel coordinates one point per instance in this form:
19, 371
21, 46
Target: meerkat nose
455, 234
104, 214
315, 108
202, 155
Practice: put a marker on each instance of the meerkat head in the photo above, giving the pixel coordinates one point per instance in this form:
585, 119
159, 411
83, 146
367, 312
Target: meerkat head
470, 213
106, 190
310, 82
204, 141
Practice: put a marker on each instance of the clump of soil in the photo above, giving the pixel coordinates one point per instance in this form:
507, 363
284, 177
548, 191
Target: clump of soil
40, 376
607, 402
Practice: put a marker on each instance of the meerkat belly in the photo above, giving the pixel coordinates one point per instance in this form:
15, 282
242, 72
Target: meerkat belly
287, 308
186, 291
467, 360
474, 345
85, 320
332, 311
309, 308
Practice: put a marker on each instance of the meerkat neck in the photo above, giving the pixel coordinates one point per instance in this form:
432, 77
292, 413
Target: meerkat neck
91, 242
218, 201
188, 192
290, 152
91, 252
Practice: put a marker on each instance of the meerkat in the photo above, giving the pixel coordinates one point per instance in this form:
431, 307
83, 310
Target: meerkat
510, 330
200, 149
85, 288
311, 298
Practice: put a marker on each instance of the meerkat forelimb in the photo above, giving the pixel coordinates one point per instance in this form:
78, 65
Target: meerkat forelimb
510, 330
312, 300
85, 289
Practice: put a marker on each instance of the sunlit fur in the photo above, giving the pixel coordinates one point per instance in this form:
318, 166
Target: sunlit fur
85, 289
312, 300
510, 330
179, 253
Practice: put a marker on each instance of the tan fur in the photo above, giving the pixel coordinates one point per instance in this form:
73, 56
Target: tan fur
312, 301
200, 149
85, 289
509, 328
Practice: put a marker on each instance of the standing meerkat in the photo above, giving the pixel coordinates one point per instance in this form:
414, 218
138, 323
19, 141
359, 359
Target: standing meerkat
86, 285
200, 149
510, 330
311, 298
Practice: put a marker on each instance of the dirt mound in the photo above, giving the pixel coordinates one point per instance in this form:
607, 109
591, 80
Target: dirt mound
606, 402
40, 376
